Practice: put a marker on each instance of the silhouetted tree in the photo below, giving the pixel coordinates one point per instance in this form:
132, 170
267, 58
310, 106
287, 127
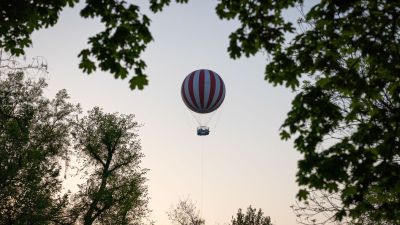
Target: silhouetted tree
115, 190
185, 213
251, 217
34, 136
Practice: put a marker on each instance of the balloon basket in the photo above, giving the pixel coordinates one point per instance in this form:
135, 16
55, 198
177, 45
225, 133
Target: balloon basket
203, 131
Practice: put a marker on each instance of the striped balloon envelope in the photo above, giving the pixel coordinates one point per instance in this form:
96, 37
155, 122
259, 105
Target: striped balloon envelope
203, 91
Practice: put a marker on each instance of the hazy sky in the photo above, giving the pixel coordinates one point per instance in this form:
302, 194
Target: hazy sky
244, 161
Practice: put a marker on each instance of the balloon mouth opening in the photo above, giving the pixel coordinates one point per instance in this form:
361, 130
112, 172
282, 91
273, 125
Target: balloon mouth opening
204, 112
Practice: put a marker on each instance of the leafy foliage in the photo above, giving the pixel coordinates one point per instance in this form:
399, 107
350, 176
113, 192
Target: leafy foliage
117, 49
20, 18
115, 191
252, 217
345, 118
119, 46
158, 5
33, 136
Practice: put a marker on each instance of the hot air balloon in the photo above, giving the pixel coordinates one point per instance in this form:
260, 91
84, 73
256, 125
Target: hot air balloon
203, 92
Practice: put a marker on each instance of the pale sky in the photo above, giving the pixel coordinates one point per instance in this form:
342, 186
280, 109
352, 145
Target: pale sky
244, 161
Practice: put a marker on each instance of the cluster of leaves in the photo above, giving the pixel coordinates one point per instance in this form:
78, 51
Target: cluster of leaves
119, 46
117, 49
37, 135
262, 25
18, 20
158, 5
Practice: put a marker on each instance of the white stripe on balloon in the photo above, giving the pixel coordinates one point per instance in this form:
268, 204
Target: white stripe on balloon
221, 99
216, 92
207, 87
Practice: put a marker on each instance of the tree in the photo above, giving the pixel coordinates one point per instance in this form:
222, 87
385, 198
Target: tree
34, 135
115, 191
252, 217
185, 213
345, 117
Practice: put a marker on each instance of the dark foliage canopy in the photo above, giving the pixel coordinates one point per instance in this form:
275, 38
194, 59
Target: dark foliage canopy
345, 117
33, 137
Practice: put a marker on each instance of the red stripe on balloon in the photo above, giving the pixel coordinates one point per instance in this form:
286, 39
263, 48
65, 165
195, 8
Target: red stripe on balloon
191, 92
184, 96
212, 88
201, 89
185, 99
